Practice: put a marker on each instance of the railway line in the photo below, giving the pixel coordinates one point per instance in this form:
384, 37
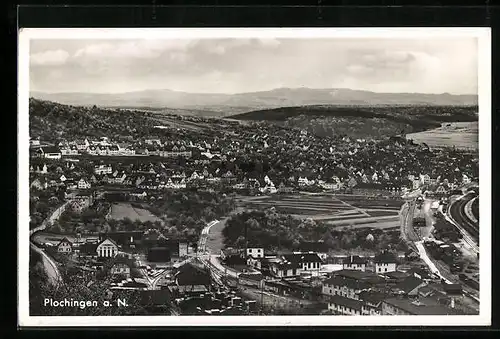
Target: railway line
458, 217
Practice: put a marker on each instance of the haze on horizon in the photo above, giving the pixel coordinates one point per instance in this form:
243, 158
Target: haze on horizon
253, 65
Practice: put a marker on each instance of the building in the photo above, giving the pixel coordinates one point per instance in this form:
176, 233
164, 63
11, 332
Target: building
346, 306
103, 169
124, 239
107, 249
318, 247
255, 252
308, 261
421, 306
284, 269
385, 262
354, 262
65, 246
83, 184
50, 152
120, 268
346, 287
409, 286
80, 202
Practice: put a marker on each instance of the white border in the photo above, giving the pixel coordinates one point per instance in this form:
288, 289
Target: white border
484, 90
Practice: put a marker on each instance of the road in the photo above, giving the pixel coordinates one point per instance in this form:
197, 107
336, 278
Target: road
49, 264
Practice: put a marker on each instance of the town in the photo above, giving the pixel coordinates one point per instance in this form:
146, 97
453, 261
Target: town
201, 216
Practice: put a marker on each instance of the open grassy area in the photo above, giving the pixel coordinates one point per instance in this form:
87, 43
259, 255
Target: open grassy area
123, 210
460, 135
333, 210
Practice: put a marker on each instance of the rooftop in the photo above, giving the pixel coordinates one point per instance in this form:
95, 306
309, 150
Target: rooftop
348, 302
424, 306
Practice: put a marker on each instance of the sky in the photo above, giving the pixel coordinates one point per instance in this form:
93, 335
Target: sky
237, 65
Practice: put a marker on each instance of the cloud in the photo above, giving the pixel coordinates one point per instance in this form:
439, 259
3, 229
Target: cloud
140, 49
269, 42
49, 58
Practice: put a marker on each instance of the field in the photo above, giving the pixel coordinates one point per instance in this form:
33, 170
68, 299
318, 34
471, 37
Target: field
124, 210
462, 135
332, 210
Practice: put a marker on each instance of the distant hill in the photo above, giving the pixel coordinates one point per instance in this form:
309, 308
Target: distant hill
227, 104
427, 114
362, 121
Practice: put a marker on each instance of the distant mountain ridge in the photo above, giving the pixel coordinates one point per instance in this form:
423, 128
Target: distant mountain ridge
244, 102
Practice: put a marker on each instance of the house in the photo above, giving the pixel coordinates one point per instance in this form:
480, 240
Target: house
330, 185
227, 252
113, 150
346, 306
80, 202
307, 261
385, 262
35, 142
82, 145
107, 249
354, 262
283, 269
83, 184
421, 273
255, 252
409, 286
103, 169
39, 184
303, 181
102, 150
373, 301
121, 268
289, 265
124, 239
346, 287
65, 246
318, 247
50, 152
255, 262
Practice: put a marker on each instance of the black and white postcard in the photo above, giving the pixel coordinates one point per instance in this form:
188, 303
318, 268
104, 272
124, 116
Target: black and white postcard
263, 177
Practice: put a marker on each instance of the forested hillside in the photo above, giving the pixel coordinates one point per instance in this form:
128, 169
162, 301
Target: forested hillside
50, 120
359, 121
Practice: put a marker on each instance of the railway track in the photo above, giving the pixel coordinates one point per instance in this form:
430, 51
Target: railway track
457, 216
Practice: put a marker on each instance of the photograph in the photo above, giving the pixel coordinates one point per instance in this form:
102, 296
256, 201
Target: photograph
269, 177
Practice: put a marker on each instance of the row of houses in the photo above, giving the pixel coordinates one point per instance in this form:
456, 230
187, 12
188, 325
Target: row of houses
398, 293
302, 262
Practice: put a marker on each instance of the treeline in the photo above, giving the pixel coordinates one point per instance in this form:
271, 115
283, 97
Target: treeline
181, 214
282, 232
